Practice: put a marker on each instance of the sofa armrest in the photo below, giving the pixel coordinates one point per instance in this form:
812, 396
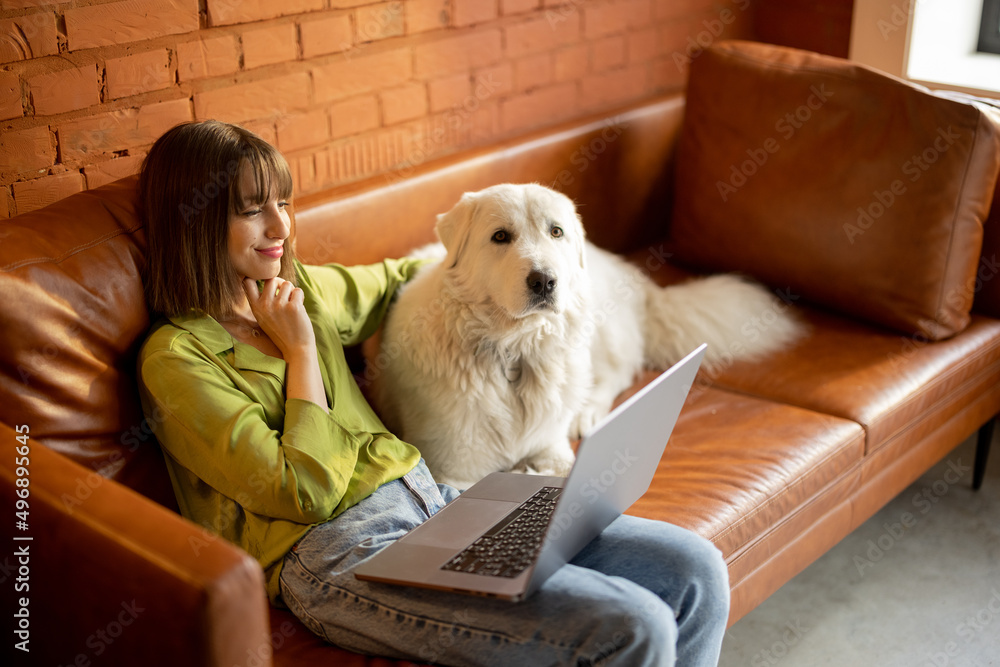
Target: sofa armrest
101, 574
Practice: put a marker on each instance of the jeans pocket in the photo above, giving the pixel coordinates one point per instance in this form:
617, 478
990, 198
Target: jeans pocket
423, 487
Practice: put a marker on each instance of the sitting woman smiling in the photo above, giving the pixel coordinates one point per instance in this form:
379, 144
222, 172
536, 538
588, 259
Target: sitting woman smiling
271, 445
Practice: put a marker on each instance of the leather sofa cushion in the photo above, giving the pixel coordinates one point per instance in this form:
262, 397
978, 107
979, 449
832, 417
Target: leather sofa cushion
892, 385
855, 189
888, 383
734, 489
70, 331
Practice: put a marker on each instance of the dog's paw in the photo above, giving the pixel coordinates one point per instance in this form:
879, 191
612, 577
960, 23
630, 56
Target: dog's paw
524, 468
554, 462
584, 422
557, 470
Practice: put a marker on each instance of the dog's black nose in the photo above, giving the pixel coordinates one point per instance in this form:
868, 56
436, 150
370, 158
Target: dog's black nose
541, 283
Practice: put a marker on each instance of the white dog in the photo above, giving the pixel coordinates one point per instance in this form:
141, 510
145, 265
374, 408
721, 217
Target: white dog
524, 334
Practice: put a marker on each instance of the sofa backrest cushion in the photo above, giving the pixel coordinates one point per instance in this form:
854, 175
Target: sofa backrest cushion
617, 168
72, 318
845, 186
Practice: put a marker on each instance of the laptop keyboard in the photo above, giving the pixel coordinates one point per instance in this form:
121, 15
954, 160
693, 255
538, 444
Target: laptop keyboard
510, 545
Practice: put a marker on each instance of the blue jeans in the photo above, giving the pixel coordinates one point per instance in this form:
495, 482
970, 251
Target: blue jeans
642, 593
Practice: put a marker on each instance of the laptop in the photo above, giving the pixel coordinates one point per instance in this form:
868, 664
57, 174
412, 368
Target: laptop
466, 547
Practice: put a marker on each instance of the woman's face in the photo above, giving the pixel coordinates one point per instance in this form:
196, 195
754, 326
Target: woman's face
257, 233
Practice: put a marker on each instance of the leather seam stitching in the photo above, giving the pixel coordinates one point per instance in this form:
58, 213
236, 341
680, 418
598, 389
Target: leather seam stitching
69, 253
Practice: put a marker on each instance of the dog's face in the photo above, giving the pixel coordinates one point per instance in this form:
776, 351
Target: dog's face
518, 248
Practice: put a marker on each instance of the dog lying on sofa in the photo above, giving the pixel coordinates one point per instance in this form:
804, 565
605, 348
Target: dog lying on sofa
521, 337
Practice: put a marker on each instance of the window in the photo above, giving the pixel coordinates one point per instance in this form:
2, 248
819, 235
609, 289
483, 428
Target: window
931, 42
989, 28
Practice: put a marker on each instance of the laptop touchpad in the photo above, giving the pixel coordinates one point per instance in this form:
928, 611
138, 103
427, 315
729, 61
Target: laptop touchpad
460, 522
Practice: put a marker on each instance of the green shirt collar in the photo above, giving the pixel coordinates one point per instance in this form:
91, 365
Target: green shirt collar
206, 329
215, 337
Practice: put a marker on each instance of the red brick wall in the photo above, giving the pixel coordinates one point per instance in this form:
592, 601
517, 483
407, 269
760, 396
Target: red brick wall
345, 88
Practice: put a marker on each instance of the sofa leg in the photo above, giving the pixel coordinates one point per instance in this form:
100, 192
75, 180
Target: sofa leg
983, 440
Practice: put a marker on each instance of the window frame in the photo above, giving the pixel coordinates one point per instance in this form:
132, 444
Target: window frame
989, 28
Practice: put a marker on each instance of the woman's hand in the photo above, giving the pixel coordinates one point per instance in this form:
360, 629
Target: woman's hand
280, 312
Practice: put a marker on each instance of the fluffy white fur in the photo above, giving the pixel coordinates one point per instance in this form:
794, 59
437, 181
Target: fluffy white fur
524, 333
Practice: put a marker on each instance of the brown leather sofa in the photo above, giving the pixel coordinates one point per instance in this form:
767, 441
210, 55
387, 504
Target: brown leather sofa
859, 199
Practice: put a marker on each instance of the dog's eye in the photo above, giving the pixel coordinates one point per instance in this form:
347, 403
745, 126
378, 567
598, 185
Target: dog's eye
557, 232
500, 236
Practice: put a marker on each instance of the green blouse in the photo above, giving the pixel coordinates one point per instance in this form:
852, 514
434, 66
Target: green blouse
249, 465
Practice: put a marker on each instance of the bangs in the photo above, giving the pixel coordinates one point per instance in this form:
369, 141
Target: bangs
271, 176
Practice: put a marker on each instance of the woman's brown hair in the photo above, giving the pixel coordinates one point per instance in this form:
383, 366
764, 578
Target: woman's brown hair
188, 187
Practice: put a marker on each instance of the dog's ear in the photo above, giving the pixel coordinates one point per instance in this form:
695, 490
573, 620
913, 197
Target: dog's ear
453, 227
583, 242
579, 234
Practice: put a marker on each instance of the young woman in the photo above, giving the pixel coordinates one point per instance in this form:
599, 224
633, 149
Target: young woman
271, 445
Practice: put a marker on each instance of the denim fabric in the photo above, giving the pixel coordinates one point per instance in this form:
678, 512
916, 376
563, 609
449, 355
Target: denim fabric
642, 593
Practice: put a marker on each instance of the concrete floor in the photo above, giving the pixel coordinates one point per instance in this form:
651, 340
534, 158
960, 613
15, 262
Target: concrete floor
917, 585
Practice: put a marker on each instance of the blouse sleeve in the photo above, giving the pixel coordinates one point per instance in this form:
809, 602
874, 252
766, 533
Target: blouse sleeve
359, 296
210, 425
